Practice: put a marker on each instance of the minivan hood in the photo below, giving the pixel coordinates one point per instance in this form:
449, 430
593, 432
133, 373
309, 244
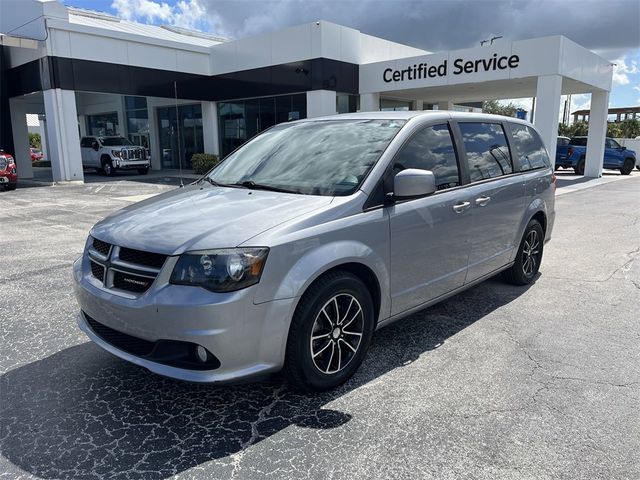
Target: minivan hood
199, 217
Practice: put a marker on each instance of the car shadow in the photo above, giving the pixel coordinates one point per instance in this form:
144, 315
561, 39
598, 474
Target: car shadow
84, 413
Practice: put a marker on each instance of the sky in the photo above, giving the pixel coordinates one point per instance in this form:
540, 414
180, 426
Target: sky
611, 28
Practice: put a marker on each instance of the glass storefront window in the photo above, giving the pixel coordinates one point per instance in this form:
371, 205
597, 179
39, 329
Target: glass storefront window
104, 124
180, 135
243, 119
137, 120
347, 103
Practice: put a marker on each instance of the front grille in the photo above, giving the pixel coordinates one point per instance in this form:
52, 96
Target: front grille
101, 247
3, 163
128, 343
148, 259
124, 268
97, 270
131, 282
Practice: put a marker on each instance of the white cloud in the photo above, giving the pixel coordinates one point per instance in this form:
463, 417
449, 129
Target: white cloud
622, 69
185, 13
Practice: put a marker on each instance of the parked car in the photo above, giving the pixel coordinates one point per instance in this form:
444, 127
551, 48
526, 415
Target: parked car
573, 155
301, 243
110, 154
36, 154
8, 175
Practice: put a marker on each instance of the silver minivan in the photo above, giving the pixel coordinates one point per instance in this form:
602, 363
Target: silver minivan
301, 243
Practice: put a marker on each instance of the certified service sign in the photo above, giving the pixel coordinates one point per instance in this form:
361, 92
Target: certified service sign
460, 66
504, 61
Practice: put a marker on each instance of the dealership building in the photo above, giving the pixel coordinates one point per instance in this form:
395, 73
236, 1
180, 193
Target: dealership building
180, 92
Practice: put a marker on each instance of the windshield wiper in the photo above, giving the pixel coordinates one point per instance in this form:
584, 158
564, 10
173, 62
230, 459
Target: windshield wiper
217, 184
250, 184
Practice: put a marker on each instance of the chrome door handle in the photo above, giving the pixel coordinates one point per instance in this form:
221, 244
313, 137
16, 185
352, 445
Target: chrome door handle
482, 201
461, 207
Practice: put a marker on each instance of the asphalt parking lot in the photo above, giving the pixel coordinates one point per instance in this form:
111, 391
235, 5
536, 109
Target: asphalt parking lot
498, 382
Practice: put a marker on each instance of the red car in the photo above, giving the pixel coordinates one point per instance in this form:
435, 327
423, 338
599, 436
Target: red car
36, 155
8, 175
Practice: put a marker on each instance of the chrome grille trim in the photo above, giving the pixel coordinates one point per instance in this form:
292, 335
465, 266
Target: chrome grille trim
112, 263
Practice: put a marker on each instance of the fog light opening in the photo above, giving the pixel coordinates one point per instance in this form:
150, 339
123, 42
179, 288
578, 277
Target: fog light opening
201, 353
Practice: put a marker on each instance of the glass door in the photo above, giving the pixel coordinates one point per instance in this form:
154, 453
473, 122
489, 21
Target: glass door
180, 135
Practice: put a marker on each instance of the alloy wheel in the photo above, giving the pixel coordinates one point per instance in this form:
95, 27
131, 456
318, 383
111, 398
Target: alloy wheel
530, 253
337, 333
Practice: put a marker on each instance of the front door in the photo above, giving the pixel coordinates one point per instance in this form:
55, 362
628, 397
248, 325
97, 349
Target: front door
497, 197
429, 235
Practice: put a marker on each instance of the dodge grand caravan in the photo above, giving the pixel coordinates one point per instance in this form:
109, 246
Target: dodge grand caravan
292, 251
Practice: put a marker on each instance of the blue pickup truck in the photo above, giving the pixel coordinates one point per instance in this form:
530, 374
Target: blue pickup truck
571, 153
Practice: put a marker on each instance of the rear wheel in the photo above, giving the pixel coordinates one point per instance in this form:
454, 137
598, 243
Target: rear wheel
627, 166
529, 256
579, 168
330, 332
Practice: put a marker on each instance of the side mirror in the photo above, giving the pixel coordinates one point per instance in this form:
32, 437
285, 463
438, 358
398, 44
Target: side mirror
95, 146
623, 148
414, 182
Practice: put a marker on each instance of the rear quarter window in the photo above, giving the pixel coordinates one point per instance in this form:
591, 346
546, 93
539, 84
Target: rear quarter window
529, 150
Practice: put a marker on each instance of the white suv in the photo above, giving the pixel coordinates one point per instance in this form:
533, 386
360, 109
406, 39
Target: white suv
113, 153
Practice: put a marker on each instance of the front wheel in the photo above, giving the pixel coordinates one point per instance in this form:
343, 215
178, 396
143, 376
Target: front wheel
627, 166
107, 168
143, 171
529, 256
330, 332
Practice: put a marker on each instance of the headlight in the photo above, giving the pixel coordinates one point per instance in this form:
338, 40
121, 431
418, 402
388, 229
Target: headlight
224, 270
117, 153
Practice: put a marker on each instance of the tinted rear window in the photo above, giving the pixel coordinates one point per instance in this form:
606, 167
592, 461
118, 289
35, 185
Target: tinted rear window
487, 150
580, 142
529, 150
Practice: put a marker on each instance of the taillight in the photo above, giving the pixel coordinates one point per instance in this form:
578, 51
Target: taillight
553, 178
569, 151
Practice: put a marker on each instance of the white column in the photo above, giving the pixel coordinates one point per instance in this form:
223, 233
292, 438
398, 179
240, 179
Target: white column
210, 131
446, 105
597, 133
369, 102
418, 105
20, 138
548, 95
320, 103
64, 139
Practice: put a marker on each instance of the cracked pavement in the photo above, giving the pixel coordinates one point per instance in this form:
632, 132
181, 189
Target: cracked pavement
498, 382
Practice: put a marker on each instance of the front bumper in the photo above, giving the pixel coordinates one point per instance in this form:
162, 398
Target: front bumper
7, 177
131, 164
248, 339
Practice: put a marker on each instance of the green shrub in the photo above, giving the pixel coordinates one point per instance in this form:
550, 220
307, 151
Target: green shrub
203, 162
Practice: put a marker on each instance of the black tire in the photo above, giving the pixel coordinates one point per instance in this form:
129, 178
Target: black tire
306, 371
522, 272
12, 186
627, 166
107, 167
579, 168
143, 171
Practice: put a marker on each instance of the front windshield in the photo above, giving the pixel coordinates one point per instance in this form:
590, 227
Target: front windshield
115, 141
329, 157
